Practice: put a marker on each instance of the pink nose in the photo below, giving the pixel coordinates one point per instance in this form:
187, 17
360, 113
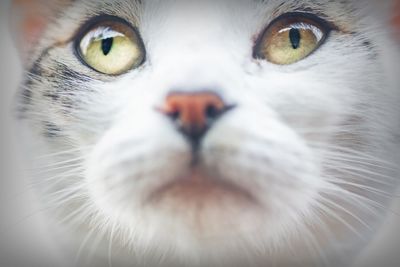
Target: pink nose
194, 112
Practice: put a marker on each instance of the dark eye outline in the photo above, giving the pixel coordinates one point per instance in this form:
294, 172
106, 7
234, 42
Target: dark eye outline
288, 19
96, 22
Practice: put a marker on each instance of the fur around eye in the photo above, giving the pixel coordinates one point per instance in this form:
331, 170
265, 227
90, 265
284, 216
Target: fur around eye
110, 46
291, 38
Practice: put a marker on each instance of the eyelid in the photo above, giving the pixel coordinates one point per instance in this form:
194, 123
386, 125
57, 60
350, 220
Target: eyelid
104, 32
91, 23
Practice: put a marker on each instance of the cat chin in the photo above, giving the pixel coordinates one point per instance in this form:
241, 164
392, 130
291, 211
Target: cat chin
208, 238
199, 216
216, 239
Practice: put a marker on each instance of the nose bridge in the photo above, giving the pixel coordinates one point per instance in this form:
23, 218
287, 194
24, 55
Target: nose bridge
193, 51
190, 50
191, 34
188, 68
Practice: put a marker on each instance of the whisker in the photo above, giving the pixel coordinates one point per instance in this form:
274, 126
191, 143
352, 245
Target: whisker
361, 199
59, 163
110, 245
330, 148
64, 152
47, 171
82, 246
95, 244
346, 211
363, 187
361, 174
343, 158
331, 213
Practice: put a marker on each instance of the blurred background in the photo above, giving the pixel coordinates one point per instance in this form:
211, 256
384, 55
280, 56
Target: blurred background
22, 235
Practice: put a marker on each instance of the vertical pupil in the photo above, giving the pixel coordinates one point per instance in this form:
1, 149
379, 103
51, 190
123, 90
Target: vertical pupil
294, 35
106, 45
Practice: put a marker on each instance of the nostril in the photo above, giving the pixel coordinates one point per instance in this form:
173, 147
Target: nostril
174, 115
212, 112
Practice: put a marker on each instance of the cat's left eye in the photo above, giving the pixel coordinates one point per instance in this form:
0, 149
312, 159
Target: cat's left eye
111, 46
291, 38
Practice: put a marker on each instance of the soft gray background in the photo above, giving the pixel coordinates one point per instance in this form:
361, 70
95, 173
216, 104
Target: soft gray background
23, 238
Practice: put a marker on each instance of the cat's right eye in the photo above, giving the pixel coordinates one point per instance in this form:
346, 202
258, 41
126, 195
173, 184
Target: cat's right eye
111, 46
291, 38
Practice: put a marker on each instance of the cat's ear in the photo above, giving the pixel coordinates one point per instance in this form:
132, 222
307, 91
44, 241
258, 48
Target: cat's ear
388, 11
396, 17
29, 20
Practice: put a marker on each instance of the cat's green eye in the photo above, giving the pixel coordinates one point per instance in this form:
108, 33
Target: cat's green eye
291, 38
111, 47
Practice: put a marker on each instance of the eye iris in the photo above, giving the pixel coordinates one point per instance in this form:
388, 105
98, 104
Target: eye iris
111, 47
106, 45
291, 38
295, 38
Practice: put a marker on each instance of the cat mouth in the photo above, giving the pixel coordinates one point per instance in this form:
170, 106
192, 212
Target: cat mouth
205, 205
200, 187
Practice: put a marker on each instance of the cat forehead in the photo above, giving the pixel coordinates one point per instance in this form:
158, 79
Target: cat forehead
133, 7
151, 12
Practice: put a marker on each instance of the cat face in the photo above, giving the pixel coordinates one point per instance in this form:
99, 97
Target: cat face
213, 130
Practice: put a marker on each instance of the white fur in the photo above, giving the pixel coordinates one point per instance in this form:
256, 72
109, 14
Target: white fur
281, 143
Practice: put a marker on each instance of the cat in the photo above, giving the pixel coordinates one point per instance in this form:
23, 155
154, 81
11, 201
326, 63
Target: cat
213, 133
